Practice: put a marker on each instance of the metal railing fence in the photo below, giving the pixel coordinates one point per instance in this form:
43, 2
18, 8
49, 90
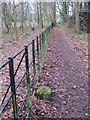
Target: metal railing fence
39, 47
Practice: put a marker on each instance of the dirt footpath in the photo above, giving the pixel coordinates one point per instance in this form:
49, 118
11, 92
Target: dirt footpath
67, 78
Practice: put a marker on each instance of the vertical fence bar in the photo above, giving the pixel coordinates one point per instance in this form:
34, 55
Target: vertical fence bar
40, 40
37, 47
40, 55
52, 25
12, 80
33, 56
42, 51
49, 29
38, 59
27, 77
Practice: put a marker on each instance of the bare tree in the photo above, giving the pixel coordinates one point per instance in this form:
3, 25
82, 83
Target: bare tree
54, 13
38, 15
6, 15
63, 10
15, 19
77, 9
22, 15
41, 16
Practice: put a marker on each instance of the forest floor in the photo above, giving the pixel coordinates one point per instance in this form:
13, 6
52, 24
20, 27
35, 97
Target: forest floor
11, 46
65, 71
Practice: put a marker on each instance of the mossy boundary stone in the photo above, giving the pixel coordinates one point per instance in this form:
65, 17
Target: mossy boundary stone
44, 92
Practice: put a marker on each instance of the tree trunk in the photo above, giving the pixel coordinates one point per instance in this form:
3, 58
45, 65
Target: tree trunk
41, 18
38, 20
64, 12
22, 15
77, 26
15, 20
5, 16
54, 13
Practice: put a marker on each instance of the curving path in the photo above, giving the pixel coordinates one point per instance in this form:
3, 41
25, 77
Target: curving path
67, 77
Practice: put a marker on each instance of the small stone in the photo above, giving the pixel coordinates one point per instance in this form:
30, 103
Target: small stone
1, 47
74, 86
54, 108
42, 114
67, 112
86, 114
55, 78
64, 102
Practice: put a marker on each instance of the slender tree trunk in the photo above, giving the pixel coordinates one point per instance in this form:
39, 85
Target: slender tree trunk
64, 12
5, 15
54, 13
15, 19
38, 20
41, 18
22, 15
77, 26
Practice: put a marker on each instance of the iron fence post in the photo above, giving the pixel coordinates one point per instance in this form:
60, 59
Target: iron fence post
27, 77
13, 91
37, 46
52, 25
42, 46
38, 59
40, 41
49, 29
42, 38
40, 55
33, 56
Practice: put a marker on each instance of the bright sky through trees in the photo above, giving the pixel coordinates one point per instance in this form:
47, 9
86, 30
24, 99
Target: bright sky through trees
16, 1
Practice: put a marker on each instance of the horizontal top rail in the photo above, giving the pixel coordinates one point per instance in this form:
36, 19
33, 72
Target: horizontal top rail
29, 44
5, 63
18, 53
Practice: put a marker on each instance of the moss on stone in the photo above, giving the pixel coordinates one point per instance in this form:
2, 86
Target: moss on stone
1, 47
44, 92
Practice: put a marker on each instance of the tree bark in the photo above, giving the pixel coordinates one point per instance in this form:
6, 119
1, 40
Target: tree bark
41, 18
15, 19
22, 15
77, 26
5, 16
54, 13
38, 20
